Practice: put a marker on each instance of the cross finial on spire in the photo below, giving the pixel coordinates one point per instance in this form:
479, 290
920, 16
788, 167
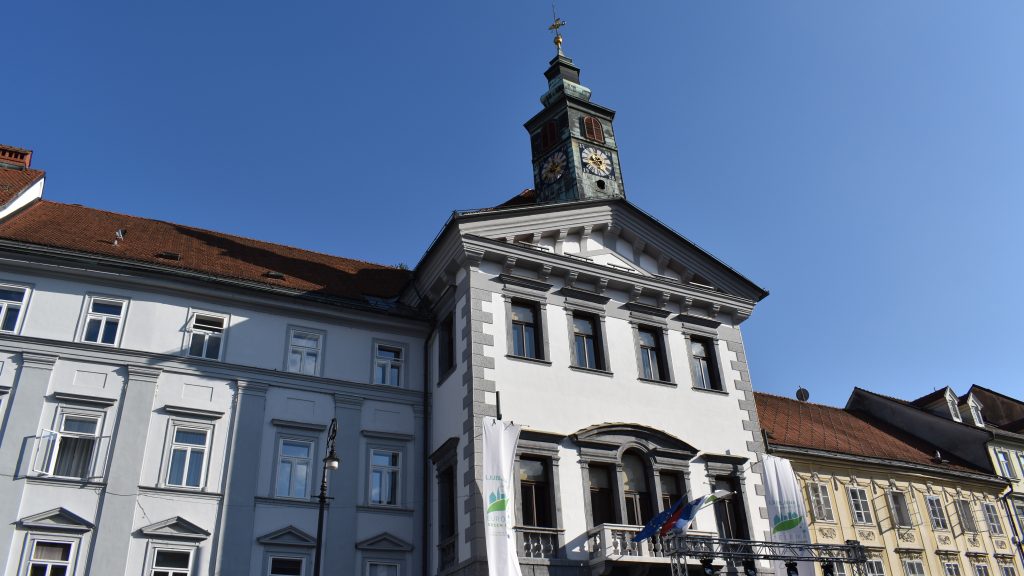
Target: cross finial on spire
555, 26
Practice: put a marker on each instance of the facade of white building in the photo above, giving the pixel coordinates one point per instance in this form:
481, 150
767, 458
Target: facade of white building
165, 392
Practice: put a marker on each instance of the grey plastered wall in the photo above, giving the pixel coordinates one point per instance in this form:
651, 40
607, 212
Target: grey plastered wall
121, 493
237, 516
734, 342
25, 406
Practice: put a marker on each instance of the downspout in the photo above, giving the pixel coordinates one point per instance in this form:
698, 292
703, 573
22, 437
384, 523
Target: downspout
1018, 531
425, 552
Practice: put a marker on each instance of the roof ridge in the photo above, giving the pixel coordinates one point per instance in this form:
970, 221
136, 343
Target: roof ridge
84, 207
802, 402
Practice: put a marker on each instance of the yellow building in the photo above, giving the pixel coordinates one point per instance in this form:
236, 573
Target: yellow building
917, 514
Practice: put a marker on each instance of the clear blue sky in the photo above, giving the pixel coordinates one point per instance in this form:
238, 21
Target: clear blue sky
861, 160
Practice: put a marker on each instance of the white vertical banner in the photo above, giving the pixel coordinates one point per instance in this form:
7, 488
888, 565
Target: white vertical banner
498, 490
787, 514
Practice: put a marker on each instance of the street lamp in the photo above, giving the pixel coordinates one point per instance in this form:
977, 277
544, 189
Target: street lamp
331, 462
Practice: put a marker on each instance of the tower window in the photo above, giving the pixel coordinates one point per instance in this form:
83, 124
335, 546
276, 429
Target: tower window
592, 129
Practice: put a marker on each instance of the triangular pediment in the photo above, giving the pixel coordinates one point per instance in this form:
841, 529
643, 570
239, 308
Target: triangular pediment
57, 519
385, 542
288, 536
175, 528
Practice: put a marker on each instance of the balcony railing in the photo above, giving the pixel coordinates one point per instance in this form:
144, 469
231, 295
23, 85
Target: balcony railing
537, 542
615, 542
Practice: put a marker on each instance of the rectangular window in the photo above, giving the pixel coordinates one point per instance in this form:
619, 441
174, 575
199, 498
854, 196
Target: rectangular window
12, 299
50, 559
525, 330
75, 446
652, 354
293, 465
1005, 466
447, 502
1020, 461
387, 368
103, 321
446, 345
285, 566
1007, 570
585, 342
381, 569
937, 513
981, 570
913, 567
821, 503
900, 509
171, 562
602, 510
304, 351
951, 568
704, 364
860, 506
995, 527
874, 568
966, 514
207, 333
730, 513
670, 489
535, 491
385, 467
188, 452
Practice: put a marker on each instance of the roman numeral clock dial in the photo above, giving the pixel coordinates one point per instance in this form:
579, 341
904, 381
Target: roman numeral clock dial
596, 161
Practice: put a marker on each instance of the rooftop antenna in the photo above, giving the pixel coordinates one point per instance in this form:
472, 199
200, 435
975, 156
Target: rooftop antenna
802, 394
555, 26
119, 235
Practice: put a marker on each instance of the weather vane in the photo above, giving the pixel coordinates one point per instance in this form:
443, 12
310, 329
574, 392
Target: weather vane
555, 26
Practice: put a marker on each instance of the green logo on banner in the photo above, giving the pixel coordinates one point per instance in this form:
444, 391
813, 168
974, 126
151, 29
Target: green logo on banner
783, 522
496, 501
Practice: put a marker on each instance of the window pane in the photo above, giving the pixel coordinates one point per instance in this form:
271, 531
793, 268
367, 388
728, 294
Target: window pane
532, 470
171, 559
309, 363
306, 339
10, 319
74, 455
195, 347
647, 338
599, 477
522, 314
295, 449
210, 323
195, 468
106, 307
583, 326
396, 376
530, 340
92, 330
176, 472
382, 458
591, 358
390, 353
284, 478
80, 425
285, 567
213, 347
518, 340
383, 569
634, 474
186, 436
380, 374
110, 331
645, 357
12, 294
294, 361
60, 551
299, 479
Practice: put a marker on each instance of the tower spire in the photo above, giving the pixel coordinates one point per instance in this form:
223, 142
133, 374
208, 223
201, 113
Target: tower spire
555, 27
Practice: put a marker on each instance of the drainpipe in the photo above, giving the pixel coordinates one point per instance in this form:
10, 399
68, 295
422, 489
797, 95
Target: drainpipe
426, 454
1018, 531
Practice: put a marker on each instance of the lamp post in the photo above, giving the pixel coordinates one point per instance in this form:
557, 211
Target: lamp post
331, 461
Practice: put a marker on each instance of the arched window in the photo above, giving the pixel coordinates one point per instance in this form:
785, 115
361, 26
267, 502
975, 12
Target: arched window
636, 489
592, 129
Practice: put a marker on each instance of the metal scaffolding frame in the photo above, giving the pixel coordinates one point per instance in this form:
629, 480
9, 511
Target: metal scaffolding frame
706, 549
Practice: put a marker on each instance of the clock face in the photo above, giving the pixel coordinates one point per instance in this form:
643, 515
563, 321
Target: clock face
596, 161
553, 167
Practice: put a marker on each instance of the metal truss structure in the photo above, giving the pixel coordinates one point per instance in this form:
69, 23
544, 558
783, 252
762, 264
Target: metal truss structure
680, 547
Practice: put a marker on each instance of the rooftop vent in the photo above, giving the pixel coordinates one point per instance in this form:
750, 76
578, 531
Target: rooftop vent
16, 158
168, 255
274, 274
802, 394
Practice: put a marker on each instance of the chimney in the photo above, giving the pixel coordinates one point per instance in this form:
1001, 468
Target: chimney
14, 158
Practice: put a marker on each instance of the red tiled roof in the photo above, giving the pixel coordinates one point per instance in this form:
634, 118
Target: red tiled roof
14, 181
528, 196
87, 230
817, 427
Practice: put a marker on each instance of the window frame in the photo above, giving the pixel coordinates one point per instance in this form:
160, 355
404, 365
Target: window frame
33, 538
88, 314
601, 360
595, 134
401, 362
908, 561
895, 513
871, 563
868, 513
399, 482
662, 372
396, 564
978, 565
191, 331
303, 558
1007, 569
1006, 466
822, 497
714, 364
540, 335
939, 507
95, 470
965, 512
22, 307
947, 564
172, 426
549, 483
992, 520
275, 488
152, 568
320, 361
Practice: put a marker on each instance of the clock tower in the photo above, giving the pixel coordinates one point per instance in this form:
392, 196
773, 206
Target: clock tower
571, 139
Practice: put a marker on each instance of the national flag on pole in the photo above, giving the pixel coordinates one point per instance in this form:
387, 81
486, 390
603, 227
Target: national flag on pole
678, 517
657, 522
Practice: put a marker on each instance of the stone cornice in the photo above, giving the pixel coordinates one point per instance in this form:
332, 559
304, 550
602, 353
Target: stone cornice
143, 373
34, 360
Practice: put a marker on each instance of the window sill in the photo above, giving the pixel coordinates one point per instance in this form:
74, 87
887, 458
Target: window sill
296, 502
591, 370
668, 383
195, 492
396, 510
528, 359
710, 391
63, 481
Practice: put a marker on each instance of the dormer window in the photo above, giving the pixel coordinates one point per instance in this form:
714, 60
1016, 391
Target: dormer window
592, 129
979, 420
954, 411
